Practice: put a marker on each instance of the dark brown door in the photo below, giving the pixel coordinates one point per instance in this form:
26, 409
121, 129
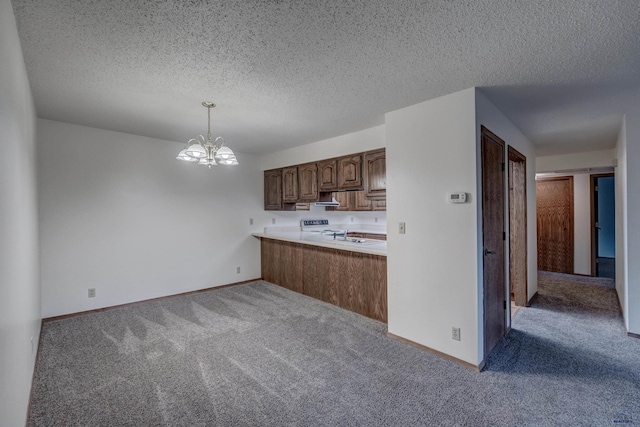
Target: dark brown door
493, 207
554, 206
518, 227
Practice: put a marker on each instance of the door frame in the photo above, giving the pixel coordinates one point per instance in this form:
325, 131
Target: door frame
521, 296
503, 298
594, 254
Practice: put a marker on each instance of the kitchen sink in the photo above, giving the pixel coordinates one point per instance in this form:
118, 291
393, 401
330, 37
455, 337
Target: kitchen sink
355, 241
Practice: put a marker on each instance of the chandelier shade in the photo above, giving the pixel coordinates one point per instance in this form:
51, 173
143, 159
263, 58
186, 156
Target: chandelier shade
207, 152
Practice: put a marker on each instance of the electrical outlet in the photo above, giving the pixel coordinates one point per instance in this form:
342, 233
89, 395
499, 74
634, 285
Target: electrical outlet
375, 219
273, 220
238, 270
250, 221
351, 219
402, 228
455, 334
92, 292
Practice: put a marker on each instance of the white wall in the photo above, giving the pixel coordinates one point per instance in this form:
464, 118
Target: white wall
582, 224
19, 279
118, 213
494, 120
621, 221
632, 155
569, 162
432, 270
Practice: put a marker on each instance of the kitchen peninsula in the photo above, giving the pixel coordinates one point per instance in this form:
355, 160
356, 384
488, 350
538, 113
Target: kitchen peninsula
349, 272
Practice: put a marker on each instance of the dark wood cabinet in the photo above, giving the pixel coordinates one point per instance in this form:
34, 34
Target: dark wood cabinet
273, 200
360, 202
290, 184
308, 182
344, 198
273, 190
350, 172
358, 182
375, 174
356, 201
328, 175
379, 205
361, 235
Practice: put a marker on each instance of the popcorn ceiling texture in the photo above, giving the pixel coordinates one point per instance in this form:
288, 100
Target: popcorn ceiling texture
285, 73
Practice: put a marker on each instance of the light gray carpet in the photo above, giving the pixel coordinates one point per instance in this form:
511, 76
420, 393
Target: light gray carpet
259, 355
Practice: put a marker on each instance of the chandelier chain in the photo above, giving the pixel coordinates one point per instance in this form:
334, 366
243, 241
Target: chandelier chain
208, 124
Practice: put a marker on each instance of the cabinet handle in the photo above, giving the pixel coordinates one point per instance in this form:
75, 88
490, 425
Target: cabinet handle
488, 252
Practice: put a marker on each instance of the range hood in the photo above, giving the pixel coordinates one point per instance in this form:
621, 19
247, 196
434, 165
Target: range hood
333, 202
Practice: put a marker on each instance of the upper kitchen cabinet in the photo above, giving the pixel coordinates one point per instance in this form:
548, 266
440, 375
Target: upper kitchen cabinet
290, 184
308, 182
375, 174
273, 191
328, 175
350, 172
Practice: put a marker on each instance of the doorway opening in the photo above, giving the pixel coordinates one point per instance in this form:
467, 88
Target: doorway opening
603, 223
518, 266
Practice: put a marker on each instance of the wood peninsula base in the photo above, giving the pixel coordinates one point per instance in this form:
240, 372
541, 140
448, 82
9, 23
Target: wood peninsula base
351, 280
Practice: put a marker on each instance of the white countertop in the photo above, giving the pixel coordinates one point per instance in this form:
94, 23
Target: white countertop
289, 234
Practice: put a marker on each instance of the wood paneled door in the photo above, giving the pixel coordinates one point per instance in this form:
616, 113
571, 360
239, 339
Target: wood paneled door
350, 172
493, 239
518, 227
308, 182
554, 206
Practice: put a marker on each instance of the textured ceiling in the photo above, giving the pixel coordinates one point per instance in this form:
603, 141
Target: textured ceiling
285, 73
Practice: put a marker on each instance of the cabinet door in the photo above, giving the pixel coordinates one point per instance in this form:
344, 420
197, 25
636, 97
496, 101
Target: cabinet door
379, 205
345, 200
328, 175
375, 174
273, 190
290, 184
350, 172
308, 182
361, 203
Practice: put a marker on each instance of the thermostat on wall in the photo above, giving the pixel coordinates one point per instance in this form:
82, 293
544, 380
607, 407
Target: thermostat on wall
457, 197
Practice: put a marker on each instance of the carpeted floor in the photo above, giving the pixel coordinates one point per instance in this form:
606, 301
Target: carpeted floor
259, 355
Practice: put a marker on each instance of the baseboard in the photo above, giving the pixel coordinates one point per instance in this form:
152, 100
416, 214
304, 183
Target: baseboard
440, 354
632, 335
533, 298
111, 307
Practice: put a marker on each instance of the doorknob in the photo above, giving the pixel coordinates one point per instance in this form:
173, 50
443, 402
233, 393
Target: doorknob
488, 252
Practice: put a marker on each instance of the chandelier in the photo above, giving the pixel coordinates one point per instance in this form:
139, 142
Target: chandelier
206, 152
